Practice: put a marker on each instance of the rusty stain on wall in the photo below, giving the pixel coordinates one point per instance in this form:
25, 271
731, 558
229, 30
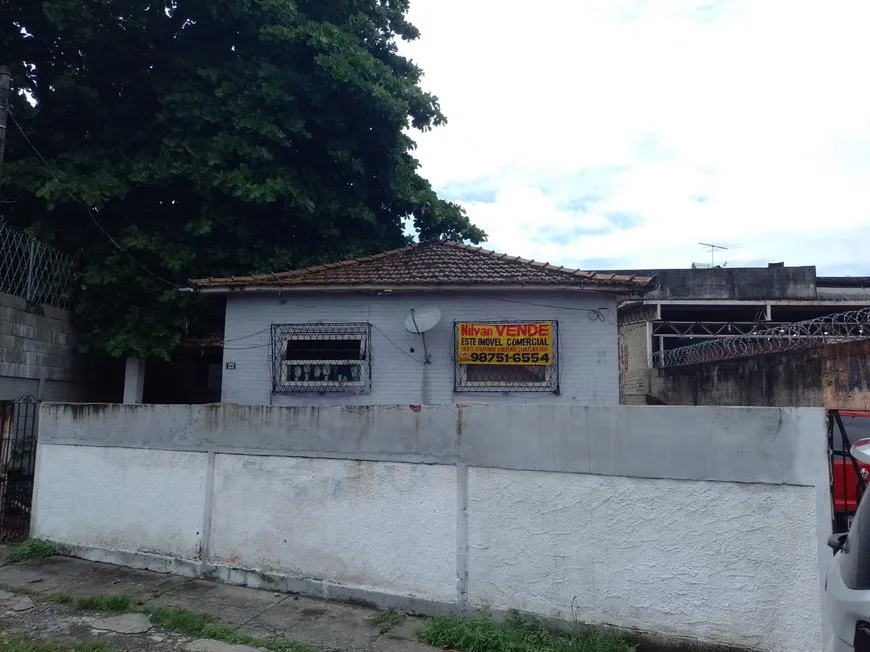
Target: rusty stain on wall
846, 376
836, 376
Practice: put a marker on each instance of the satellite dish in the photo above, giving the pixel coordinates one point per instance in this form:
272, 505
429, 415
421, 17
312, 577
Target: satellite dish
422, 320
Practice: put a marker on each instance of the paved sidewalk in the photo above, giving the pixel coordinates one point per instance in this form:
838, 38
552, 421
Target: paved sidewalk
328, 626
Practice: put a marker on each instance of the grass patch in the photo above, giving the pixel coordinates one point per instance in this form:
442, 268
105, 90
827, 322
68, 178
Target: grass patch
386, 620
189, 623
200, 625
31, 549
517, 635
20, 644
116, 604
56, 598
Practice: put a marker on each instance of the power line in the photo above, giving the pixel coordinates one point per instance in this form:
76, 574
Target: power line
594, 314
265, 344
86, 207
396, 345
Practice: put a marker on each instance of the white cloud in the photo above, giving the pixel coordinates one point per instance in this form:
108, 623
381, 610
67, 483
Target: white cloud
601, 132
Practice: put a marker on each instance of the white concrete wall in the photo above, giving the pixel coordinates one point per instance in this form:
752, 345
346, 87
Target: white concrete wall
588, 351
121, 498
370, 525
690, 522
724, 561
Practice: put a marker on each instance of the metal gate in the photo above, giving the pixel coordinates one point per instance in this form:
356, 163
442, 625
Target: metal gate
17, 465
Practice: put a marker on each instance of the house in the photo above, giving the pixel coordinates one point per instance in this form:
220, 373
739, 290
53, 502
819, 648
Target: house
510, 329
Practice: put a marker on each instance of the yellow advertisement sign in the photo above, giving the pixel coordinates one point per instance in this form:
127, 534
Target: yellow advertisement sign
505, 344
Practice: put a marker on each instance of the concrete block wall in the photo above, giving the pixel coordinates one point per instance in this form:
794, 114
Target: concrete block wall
700, 523
37, 343
587, 345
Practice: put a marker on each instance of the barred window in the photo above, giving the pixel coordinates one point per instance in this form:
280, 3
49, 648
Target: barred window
321, 358
506, 373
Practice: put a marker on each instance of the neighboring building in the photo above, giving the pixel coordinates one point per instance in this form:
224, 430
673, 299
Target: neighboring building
337, 333
688, 306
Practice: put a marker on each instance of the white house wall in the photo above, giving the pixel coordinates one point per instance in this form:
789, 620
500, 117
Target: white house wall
587, 345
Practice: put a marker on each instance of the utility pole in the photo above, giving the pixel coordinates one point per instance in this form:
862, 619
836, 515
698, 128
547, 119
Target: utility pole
5, 85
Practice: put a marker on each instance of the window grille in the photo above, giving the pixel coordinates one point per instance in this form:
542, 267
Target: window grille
502, 377
321, 358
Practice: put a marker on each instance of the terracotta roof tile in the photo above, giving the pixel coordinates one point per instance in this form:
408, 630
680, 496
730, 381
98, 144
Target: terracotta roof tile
436, 264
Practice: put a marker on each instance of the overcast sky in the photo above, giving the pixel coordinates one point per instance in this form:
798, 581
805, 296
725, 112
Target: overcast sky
620, 133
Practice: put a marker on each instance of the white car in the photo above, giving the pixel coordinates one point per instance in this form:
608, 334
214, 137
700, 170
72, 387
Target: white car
847, 585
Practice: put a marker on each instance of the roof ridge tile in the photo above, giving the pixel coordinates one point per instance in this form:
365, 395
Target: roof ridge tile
435, 264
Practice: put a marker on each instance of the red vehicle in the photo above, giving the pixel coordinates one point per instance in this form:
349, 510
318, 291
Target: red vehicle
846, 485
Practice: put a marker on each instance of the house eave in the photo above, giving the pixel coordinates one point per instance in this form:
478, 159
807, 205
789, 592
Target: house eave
390, 289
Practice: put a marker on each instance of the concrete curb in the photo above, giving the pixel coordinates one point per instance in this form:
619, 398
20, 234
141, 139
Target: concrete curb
259, 579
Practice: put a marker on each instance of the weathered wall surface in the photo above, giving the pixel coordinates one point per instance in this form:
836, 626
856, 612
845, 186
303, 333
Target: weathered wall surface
634, 334
699, 522
731, 283
123, 499
36, 342
539, 540
834, 376
772, 380
846, 376
588, 356
378, 526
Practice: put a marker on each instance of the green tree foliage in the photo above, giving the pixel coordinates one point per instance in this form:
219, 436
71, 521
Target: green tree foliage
211, 138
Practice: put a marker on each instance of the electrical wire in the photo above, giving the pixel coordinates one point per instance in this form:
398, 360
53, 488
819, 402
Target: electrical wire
407, 353
86, 207
321, 321
244, 337
246, 348
594, 314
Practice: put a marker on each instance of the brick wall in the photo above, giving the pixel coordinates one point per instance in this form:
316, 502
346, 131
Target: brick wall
587, 345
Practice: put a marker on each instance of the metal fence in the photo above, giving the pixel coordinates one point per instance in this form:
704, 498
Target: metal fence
17, 464
830, 329
34, 271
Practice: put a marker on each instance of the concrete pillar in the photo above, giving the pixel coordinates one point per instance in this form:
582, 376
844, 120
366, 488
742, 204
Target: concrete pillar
134, 380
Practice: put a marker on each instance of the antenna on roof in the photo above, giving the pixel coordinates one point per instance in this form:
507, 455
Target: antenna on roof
713, 246
420, 321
